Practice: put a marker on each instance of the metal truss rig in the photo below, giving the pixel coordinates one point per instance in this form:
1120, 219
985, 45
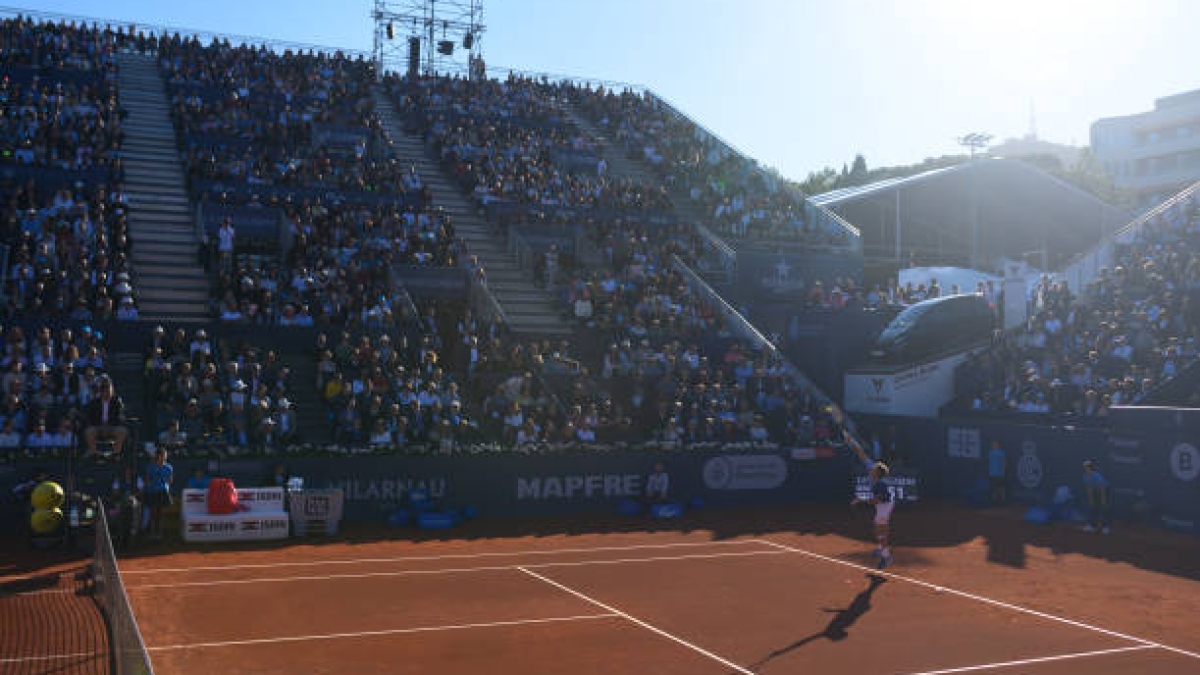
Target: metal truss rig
450, 34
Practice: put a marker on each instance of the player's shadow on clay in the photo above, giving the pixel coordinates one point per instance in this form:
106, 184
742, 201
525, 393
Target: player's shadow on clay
839, 626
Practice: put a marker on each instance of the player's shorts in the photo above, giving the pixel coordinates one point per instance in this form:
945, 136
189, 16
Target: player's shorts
883, 512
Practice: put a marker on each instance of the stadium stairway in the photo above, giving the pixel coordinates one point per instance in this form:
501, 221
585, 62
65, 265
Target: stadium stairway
125, 367
170, 282
312, 417
529, 309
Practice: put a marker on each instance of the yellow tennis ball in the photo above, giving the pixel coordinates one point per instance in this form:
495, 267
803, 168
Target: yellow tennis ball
46, 521
47, 495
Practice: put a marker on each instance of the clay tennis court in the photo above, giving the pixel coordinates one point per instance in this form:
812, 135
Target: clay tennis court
709, 595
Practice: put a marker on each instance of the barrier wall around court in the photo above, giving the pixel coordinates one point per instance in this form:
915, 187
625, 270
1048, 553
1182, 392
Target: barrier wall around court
1154, 473
509, 484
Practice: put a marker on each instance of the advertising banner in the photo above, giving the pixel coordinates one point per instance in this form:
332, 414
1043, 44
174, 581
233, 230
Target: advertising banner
792, 274
917, 391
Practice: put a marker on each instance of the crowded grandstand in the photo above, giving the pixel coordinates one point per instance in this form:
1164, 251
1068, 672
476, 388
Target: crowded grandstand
244, 255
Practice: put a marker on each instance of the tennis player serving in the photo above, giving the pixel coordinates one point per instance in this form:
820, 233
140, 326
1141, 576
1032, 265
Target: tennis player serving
881, 497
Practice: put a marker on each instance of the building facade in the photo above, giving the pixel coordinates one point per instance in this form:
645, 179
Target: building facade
1152, 153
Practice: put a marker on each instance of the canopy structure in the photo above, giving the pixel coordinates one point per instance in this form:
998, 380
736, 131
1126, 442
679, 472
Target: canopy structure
974, 214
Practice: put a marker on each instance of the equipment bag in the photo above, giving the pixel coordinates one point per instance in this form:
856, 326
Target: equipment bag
222, 497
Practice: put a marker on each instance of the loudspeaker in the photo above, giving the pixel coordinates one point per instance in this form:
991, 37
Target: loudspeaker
391, 31
468, 40
414, 57
446, 47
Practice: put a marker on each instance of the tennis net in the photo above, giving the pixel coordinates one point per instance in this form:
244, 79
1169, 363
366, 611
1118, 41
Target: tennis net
129, 654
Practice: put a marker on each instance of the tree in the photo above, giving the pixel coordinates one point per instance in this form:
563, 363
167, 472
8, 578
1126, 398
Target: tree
859, 168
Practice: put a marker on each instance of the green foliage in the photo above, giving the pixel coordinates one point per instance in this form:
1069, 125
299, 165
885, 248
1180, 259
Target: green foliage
858, 173
1088, 174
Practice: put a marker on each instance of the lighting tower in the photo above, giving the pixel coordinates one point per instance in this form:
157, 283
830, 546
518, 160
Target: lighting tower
449, 35
974, 141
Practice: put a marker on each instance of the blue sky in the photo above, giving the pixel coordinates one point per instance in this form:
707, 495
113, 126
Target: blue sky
800, 85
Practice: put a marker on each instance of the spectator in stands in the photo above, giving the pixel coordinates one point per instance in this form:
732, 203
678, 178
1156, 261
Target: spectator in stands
10, 438
173, 437
104, 419
199, 480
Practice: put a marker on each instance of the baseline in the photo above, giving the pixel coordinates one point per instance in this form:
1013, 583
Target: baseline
448, 556
454, 570
982, 599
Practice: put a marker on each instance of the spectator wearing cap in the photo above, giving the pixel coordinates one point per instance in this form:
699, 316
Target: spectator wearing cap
104, 418
1096, 489
127, 310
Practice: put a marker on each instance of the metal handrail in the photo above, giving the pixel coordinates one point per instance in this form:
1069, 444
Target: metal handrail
831, 214
1100, 254
751, 333
716, 242
733, 149
1158, 210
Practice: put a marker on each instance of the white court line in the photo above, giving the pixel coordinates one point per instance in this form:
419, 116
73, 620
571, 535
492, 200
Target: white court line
53, 657
449, 556
453, 570
639, 622
980, 598
376, 633
1043, 659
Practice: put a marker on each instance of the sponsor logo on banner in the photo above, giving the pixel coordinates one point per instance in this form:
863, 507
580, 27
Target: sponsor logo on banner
388, 489
915, 376
963, 442
213, 527
1029, 466
903, 487
745, 472
1185, 462
580, 487
1179, 523
876, 391
250, 525
805, 454
1136, 493
1126, 451
316, 506
196, 497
